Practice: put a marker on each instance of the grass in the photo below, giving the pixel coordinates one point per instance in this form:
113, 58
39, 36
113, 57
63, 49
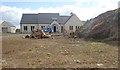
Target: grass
57, 52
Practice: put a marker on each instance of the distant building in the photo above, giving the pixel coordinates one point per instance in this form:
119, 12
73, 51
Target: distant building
54, 21
7, 27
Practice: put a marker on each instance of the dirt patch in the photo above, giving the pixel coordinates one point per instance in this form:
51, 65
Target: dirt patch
56, 53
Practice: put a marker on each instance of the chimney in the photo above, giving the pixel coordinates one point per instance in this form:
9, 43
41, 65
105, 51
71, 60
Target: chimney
71, 13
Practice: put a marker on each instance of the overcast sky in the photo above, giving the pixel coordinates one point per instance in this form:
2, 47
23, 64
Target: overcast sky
11, 10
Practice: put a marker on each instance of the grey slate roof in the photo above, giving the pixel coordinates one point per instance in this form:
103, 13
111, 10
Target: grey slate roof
47, 17
29, 18
63, 19
43, 18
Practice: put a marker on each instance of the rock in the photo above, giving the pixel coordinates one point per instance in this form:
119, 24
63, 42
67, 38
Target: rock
49, 54
77, 61
99, 64
29, 50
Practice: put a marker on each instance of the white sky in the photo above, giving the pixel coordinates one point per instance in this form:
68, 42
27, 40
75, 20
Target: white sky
84, 9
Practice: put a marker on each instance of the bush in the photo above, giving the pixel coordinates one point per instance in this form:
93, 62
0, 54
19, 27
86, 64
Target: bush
17, 30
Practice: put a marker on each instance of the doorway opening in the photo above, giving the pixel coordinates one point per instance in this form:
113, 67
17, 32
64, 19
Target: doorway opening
54, 28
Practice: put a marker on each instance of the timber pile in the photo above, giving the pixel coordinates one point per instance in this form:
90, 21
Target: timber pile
71, 34
74, 34
38, 34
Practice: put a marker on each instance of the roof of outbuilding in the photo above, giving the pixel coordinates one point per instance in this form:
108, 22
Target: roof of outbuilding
43, 18
7, 24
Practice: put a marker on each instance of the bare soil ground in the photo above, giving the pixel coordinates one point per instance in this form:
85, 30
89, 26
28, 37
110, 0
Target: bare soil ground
59, 52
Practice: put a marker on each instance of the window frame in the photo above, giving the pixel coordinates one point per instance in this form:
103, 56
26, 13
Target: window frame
42, 27
32, 28
25, 28
70, 27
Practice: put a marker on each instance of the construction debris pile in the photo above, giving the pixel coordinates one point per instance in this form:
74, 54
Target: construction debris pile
38, 34
71, 34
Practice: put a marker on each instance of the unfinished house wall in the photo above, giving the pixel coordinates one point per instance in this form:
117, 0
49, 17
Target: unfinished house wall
28, 29
73, 22
13, 29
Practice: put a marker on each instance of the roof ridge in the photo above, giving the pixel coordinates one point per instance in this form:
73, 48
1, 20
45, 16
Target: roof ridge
30, 14
48, 13
65, 16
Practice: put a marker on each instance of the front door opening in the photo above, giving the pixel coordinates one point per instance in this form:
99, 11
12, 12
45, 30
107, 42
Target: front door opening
54, 28
62, 29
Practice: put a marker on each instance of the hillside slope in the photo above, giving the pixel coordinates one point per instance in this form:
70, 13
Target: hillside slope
104, 26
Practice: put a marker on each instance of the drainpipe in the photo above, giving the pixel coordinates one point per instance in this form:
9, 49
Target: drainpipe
20, 28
